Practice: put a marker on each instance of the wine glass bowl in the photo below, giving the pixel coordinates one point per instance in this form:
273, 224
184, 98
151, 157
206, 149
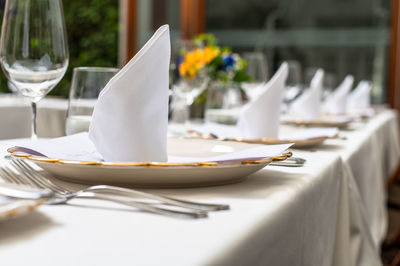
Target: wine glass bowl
87, 82
33, 47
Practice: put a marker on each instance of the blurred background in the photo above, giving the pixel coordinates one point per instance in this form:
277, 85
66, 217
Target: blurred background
341, 36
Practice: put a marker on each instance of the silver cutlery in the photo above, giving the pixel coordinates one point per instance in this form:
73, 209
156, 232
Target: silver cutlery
24, 192
35, 175
28, 178
290, 162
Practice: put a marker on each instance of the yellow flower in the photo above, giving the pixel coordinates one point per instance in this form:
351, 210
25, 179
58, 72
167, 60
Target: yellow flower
210, 53
198, 55
187, 71
183, 69
195, 60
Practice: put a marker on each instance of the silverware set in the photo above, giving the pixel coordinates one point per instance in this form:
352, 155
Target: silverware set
22, 181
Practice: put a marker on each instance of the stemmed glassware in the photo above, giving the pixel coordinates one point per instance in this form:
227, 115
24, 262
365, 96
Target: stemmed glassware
257, 68
293, 82
33, 48
87, 82
184, 92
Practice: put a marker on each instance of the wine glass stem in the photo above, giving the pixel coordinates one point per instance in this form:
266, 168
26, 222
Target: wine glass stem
34, 134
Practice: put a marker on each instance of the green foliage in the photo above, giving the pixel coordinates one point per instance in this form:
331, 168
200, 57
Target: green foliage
92, 27
204, 39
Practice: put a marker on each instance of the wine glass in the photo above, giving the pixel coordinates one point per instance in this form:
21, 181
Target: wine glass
33, 48
184, 92
87, 82
294, 82
258, 70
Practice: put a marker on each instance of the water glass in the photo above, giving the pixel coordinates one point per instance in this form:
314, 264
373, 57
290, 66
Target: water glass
87, 82
223, 102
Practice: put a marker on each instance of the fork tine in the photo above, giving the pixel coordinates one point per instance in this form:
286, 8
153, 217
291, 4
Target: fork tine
16, 178
6, 177
22, 174
36, 177
45, 182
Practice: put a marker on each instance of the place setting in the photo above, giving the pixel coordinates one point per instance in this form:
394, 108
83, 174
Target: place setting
259, 120
339, 108
118, 136
126, 143
206, 132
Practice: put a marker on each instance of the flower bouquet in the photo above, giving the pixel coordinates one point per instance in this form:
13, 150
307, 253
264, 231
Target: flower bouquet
206, 65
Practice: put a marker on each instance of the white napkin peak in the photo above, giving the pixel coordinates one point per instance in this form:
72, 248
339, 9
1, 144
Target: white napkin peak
260, 118
336, 102
359, 98
308, 105
130, 118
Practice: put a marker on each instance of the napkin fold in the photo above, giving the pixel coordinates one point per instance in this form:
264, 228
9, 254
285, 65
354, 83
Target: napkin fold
336, 102
260, 118
359, 98
130, 118
308, 105
78, 147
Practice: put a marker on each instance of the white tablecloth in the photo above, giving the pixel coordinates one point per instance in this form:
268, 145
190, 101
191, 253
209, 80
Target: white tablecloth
16, 115
329, 212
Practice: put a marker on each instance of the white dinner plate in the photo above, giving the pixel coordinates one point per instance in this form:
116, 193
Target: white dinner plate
300, 138
11, 208
340, 122
156, 174
297, 143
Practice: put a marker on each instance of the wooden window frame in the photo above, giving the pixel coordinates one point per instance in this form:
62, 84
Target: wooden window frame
192, 22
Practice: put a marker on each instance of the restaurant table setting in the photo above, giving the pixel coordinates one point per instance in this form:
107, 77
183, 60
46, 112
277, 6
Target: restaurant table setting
318, 214
263, 193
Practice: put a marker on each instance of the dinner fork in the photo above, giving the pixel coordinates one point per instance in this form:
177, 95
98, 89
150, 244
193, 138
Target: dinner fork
36, 177
61, 195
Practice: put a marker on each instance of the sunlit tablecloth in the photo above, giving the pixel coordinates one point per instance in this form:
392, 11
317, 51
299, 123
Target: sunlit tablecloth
15, 117
324, 213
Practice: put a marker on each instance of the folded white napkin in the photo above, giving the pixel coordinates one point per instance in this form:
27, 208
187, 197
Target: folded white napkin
336, 102
77, 147
359, 98
130, 118
308, 105
260, 118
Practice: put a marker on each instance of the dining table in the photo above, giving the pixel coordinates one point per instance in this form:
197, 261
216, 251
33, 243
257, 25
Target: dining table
330, 211
15, 116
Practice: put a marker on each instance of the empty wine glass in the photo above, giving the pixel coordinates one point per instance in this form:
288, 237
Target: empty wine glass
293, 82
33, 48
258, 70
87, 82
185, 91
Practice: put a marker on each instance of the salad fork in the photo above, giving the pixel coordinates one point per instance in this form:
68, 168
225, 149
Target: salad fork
61, 195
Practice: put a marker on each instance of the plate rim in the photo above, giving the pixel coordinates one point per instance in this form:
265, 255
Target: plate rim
321, 123
197, 134
43, 159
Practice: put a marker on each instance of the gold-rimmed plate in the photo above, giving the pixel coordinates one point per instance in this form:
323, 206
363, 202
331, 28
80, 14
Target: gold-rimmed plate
339, 123
156, 174
12, 208
297, 143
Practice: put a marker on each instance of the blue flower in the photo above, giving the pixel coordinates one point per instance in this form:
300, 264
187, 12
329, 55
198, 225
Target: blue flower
228, 62
178, 60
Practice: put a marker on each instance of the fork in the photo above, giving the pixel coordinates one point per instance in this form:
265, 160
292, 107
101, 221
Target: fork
36, 177
62, 195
